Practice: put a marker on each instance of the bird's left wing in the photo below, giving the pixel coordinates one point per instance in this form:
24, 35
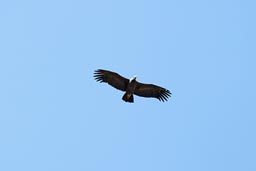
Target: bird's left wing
151, 90
111, 78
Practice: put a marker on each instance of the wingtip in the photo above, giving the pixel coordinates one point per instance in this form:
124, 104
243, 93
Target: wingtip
98, 76
164, 96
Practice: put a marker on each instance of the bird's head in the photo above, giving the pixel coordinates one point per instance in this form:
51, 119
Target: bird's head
133, 78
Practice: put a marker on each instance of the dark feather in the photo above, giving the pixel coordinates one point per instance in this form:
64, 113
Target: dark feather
151, 90
111, 78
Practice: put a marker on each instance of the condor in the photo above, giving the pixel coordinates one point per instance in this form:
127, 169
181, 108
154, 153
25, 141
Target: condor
131, 86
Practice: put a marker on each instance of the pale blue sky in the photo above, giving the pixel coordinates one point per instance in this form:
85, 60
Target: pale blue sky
54, 116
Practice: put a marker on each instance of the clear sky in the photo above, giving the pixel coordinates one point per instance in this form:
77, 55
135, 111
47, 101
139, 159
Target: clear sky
54, 116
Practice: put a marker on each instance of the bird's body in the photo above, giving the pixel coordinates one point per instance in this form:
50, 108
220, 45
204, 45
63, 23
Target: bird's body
131, 86
128, 96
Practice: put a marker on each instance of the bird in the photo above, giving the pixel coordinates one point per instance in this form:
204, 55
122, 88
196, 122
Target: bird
131, 86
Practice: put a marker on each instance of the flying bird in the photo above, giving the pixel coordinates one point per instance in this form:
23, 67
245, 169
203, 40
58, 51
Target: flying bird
131, 87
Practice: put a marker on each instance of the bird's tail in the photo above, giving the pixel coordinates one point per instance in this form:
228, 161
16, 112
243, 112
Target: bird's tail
128, 97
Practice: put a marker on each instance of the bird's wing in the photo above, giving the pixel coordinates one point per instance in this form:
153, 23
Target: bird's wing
111, 78
151, 90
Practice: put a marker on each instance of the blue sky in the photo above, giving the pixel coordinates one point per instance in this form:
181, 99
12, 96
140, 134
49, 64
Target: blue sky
54, 116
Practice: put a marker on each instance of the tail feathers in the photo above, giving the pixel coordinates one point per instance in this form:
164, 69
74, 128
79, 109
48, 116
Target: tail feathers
127, 97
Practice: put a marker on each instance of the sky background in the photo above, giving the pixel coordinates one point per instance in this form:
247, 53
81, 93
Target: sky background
54, 116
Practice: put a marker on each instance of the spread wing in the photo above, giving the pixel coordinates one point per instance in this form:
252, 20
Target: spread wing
111, 78
151, 90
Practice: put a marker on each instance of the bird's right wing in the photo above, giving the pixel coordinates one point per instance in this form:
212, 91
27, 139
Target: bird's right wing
111, 78
151, 90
